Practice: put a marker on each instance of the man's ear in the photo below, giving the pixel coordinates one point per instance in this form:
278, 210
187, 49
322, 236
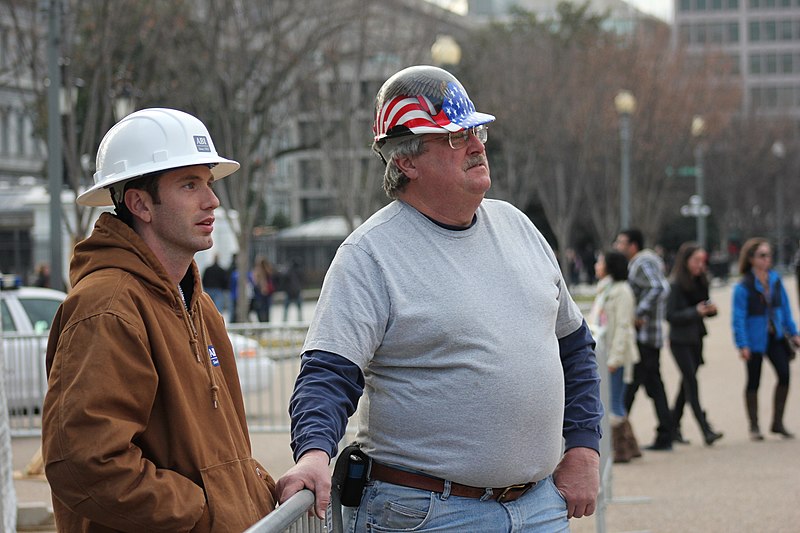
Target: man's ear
139, 203
407, 165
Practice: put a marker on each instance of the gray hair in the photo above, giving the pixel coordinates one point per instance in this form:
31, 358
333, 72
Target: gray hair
394, 181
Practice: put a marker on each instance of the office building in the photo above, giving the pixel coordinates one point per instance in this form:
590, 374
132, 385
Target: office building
762, 39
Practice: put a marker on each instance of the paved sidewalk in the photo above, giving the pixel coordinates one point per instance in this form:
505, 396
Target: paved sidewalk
735, 486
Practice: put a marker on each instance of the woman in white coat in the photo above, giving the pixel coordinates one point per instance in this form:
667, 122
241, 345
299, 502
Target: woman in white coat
612, 323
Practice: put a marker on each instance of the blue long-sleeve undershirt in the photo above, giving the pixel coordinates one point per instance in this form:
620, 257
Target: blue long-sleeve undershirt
329, 386
325, 395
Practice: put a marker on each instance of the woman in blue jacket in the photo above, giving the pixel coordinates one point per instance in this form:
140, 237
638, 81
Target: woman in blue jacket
763, 326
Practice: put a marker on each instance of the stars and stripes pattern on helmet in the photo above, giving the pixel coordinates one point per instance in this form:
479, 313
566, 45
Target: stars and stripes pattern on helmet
404, 114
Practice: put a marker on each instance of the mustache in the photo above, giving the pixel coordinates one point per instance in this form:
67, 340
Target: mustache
474, 161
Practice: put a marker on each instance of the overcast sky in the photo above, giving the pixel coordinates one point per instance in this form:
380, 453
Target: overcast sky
659, 8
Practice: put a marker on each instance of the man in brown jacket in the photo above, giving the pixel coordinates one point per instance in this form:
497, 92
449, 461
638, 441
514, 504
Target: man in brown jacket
143, 423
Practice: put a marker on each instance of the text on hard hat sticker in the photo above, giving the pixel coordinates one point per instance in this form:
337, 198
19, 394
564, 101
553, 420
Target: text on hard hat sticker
201, 142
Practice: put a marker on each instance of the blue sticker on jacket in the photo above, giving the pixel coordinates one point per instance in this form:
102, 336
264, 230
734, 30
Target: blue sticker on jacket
212, 354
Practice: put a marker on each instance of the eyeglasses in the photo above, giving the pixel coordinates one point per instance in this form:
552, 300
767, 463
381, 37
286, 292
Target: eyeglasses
458, 140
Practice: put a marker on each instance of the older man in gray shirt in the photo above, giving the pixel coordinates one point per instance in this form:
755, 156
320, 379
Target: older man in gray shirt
449, 313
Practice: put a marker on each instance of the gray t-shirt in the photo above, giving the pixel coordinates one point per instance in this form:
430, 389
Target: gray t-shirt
457, 335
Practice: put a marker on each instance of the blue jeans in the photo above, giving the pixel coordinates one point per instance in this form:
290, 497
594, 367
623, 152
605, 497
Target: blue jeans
391, 508
617, 392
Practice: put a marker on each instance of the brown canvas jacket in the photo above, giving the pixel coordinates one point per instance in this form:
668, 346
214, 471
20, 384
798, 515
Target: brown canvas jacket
141, 432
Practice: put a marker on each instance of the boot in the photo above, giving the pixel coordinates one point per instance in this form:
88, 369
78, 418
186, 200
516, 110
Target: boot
630, 439
781, 392
709, 435
751, 400
677, 436
621, 452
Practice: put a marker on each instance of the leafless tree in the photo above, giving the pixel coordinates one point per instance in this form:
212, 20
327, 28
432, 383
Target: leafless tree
249, 60
557, 134
548, 95
106, 49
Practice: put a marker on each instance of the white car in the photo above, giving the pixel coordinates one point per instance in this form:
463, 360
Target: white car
27, 313
252, 362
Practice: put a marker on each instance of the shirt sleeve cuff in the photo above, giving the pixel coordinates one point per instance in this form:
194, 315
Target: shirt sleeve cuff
316, 444
582, 439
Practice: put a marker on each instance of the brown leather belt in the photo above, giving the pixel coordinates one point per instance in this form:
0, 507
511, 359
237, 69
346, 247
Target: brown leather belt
404, 478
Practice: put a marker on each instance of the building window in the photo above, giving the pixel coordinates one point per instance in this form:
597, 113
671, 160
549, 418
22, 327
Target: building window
309, 135
772, 63
734, 64
5, 134
755, 31
771, 97
754, 4
786, 63
755, 98
755, 64
717, 32
733, 32
686, 5
770, 30
785, 97
701, 5
22, 149
700, 33
716, 5
786, 30
309, 98
317, 208
310, 174
733, 4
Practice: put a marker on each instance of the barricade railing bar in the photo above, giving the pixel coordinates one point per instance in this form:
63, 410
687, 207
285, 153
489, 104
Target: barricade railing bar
267, 357
291, 516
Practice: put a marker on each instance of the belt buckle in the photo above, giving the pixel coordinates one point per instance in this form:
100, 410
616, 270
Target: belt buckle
522, 486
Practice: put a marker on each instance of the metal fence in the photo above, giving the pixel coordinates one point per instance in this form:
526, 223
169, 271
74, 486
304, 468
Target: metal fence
291, 517
25, 381
267, 357
267, 388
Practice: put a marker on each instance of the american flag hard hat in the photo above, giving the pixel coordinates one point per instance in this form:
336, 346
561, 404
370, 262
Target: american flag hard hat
423, 99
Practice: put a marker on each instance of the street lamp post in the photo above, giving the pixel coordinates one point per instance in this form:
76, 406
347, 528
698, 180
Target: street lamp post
698, 130
779, 151
626, 105
55, 170
445, 51
124, 105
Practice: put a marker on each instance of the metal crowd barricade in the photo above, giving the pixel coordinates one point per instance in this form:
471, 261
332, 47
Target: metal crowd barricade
267, 388
291, 517
268, 359
24, 381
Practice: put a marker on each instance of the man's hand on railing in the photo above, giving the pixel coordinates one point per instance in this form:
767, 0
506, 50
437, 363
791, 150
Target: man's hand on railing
312, 472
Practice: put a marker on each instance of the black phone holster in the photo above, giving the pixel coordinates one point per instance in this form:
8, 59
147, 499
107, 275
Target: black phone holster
350, 475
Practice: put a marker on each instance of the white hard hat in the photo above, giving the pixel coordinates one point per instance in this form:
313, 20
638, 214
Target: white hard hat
152, 140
